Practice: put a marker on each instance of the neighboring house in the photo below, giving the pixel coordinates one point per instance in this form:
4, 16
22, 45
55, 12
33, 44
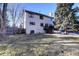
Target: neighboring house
35, 22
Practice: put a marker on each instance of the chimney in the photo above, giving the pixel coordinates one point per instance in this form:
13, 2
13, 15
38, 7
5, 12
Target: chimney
50, 14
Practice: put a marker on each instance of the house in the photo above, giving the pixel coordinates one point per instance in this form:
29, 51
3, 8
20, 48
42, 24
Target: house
35, 22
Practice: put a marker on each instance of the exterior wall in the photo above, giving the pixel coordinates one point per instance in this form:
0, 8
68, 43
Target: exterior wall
25, 16
36, 18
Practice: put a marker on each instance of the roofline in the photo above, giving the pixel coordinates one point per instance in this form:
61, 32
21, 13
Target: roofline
38, 13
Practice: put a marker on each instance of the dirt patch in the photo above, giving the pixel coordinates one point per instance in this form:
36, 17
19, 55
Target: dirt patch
36, 45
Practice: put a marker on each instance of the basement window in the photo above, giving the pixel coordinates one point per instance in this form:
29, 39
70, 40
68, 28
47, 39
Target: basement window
32, 32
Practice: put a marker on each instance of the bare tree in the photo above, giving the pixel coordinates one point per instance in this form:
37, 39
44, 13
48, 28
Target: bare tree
16, 15
3, 18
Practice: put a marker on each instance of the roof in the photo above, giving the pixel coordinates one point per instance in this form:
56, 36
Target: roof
38, 13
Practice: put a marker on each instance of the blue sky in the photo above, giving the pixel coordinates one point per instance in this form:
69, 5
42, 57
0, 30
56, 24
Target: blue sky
43, 8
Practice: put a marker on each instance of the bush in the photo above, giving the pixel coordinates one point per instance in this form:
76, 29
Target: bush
21, 31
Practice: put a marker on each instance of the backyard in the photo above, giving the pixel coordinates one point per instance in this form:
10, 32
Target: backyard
38, 45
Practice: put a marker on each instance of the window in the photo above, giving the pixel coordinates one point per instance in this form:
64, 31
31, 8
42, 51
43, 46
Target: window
41, 24
32, 32
41, 17
46, 24
32, 23
31, 15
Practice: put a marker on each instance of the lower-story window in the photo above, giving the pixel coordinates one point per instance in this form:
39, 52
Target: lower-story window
32, 32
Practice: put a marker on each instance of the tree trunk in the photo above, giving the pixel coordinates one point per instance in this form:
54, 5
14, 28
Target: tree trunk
4, 19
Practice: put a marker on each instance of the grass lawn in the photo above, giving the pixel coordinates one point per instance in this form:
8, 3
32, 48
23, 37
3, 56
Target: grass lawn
36, 45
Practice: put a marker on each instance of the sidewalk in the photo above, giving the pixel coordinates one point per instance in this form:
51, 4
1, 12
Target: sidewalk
63, 35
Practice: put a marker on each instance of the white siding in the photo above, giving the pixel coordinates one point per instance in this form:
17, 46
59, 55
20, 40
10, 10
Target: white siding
25, 20
37, 28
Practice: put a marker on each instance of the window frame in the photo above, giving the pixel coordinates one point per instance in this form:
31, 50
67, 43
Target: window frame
32, 23
31, 15
41, 24
32, 31
41, 17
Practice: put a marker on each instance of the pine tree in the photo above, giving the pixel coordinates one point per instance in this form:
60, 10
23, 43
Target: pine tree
65, 17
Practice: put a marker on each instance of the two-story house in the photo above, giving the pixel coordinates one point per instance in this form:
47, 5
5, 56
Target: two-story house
34, 22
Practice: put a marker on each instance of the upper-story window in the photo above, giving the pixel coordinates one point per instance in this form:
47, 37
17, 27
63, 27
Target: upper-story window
41, 17
31, 15
32, 23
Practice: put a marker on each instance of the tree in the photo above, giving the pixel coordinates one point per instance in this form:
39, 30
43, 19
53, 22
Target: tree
3, 18
0, 15
16, 14
65, 16
48, 29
